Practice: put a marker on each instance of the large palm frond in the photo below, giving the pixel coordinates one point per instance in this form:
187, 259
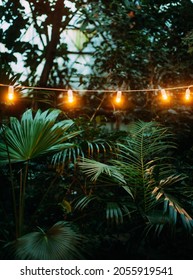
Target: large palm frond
147, 145
149, 138
60, 242
34, 136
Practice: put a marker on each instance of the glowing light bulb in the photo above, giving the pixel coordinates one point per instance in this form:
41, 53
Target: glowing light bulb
164, 95
70, 96
187, 94
10, 95
118, 97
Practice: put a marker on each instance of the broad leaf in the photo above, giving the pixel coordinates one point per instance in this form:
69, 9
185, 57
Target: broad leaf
34, 136
60, 242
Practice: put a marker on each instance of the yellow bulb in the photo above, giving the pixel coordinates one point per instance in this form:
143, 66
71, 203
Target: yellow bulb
187, 95
10, 95
118, 97
164, 95
70, 99
70, 96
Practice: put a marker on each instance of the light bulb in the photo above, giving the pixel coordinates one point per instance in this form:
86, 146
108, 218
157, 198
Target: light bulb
164, 95
10, 95
118, 97
70, 96
187, 94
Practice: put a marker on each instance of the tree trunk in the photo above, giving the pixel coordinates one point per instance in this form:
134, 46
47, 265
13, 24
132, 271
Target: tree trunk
52, 44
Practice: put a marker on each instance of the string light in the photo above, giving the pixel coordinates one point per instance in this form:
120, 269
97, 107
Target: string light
164, 95
10, 95
118, 97
187, 94
70, 96
101, 90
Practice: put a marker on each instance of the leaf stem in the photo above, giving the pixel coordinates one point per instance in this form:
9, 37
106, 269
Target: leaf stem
12, 185
23, 183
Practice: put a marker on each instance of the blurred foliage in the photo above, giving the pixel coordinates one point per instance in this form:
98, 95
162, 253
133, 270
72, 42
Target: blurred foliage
141, 43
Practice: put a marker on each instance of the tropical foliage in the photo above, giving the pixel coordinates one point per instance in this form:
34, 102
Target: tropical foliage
144, 169
26, 139
94, 141
34, 136
121, 177
132, 35
126, 190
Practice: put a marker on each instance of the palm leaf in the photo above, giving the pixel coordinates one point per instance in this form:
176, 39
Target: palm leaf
66, 155
172, 206
145, 143
81, 149
34, 136
144, 170
94, 169
60, 242
114, 213
157, 220
83, 201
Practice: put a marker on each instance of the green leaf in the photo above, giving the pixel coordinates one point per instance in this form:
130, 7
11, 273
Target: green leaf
83, 201
34, 136
114, 213
94, 169
60, 242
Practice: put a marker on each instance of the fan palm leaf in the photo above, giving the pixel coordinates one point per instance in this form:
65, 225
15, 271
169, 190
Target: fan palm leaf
60, 242
34, 136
